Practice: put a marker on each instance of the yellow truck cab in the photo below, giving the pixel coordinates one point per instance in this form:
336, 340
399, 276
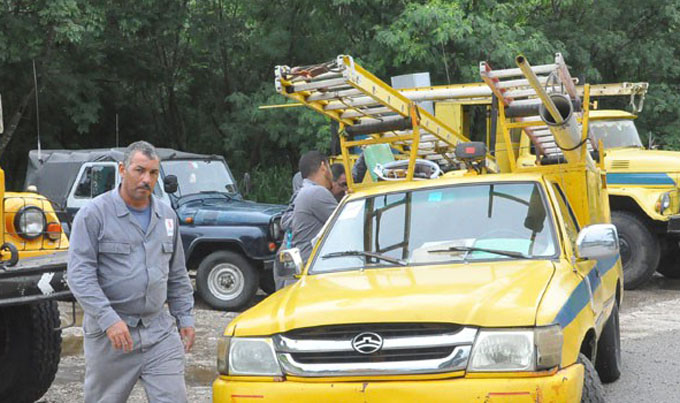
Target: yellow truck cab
643, 195
472, 286
33, 251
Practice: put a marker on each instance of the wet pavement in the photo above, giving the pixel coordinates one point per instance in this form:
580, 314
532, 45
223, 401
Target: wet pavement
650, 333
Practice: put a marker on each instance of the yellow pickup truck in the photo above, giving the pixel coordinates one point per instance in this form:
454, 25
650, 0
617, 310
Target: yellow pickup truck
472, 286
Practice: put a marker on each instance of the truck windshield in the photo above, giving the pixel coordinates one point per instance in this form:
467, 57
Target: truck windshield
196, 176
459, 223
615, 133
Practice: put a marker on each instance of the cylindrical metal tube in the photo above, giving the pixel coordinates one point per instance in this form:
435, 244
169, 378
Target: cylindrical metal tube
567, 133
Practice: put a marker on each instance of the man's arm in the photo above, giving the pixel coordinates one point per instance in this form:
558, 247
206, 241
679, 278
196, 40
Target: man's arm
82, 268
180, 291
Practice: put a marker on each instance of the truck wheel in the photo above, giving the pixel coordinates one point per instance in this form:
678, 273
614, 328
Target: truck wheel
226, 280
639, 249
593, 391
669, 264
29, 350
608, 361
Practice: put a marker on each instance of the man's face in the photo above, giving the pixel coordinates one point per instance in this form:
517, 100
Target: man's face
139, 179
339, 187
327, 175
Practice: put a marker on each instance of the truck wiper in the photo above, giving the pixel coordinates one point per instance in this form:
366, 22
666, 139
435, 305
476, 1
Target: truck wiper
517, 255
366, 254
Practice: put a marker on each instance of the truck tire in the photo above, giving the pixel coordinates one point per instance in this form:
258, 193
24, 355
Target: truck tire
30, 348
639, 248
226, 280
608, 361
669, 264
593, 391
267, 281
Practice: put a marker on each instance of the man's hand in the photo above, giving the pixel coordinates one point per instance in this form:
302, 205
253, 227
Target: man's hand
119, 334
188, 334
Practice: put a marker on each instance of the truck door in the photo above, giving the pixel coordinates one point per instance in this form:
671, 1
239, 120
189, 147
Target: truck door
587, 269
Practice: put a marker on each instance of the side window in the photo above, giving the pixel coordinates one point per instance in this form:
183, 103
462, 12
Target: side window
95, 180
568, 214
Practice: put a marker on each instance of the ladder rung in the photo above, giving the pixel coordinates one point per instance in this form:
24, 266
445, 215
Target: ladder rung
520, 93
351, 103
324, 96
526, 102
522, 82
365, 112
540, 69
315, 85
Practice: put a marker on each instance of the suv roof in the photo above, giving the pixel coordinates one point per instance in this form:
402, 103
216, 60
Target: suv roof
54, 171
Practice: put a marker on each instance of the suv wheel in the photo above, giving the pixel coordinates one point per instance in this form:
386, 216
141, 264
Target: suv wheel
639, 249
226, 280
30, 348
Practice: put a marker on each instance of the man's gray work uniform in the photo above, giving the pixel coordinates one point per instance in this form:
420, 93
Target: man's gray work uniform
117, 271
314, 204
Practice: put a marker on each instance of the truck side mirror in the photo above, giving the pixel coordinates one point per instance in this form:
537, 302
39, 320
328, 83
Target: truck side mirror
170, 184
597, 241
290, 262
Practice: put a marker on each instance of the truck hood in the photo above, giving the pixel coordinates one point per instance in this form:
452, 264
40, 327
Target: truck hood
499, 293
222, 211
641, 160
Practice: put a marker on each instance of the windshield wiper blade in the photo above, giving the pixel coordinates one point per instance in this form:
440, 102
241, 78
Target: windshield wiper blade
509, 253
366, 254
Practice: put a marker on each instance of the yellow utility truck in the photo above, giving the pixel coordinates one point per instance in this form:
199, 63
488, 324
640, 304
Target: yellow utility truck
470, 285
33, 251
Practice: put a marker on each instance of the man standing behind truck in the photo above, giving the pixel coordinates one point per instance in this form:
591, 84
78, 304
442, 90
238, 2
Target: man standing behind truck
125, 262
314, 203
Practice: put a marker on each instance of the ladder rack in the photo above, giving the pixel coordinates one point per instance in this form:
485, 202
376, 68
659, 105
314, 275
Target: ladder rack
365, 105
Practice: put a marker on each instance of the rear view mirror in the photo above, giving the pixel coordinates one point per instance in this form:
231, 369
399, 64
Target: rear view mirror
290, 262
597, 241
170, 184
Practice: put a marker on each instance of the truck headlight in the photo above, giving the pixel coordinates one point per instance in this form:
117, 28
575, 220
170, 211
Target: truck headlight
29, 222
663, 203
275, 231
497, 350
251, 356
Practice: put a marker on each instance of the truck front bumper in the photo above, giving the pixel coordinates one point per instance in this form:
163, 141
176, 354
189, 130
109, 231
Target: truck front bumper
563, 386
673, 226
34, 279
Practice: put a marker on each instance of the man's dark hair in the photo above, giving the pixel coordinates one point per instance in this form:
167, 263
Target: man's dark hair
310, 162
337, 169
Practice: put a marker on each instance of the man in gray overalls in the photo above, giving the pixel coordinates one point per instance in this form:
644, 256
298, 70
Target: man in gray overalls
125, 262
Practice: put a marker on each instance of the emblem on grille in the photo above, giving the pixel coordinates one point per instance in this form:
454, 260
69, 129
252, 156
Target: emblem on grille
367, 343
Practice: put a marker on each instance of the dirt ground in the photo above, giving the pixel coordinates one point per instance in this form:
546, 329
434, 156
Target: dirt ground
200, 362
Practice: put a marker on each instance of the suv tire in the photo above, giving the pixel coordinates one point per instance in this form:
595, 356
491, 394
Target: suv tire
593, 391
267, 283
639, 249
608, 360
226, 280
30, 349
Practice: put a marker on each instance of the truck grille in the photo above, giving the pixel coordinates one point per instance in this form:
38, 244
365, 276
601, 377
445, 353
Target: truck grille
393, 349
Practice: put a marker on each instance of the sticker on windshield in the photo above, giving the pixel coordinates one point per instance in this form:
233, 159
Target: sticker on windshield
434, 197
351, 210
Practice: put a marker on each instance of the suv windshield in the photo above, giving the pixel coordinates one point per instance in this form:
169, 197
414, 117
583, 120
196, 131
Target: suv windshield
456, 223
196, 176
615, 133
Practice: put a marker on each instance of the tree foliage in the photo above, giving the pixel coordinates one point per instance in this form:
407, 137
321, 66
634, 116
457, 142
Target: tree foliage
191, 74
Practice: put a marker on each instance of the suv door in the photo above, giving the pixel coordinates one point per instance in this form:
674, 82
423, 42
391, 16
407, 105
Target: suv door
94, 178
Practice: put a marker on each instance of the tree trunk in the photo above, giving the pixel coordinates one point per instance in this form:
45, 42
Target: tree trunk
14, 122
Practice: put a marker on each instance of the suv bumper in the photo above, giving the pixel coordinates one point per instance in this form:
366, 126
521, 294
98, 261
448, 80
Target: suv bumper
562, 386
34, 279
673, 226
